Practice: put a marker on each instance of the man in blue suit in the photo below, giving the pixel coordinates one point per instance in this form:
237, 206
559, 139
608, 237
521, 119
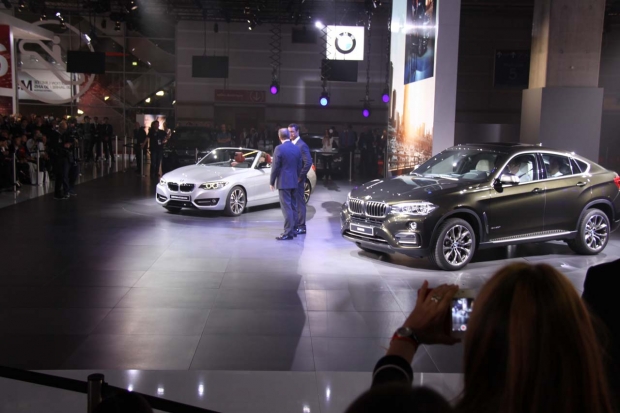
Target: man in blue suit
300, 224
285, 171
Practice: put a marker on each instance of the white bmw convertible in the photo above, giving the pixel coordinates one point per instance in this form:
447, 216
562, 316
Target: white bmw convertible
226, 179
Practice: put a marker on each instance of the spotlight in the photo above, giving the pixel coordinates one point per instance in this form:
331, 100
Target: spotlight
385, 97
147, 100
319, 25
43, 16
117, 26
160, 93
80, 112
275, 87
134, 63
324, 100
366, 110
106, 98
21, 6
174, 101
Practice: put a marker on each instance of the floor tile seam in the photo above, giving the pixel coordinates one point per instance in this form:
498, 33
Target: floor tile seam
430, 356
310, 331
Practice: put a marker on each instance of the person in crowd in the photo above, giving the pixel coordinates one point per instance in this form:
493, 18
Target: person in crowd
6, 166
554, 168
285, 172
223, 137
366, 147
347, 142
96, 138
530, 345
300, 226
601, 301
156, 145
140, 144
106, 133
327, 155
87, 136
64, 158
71, 166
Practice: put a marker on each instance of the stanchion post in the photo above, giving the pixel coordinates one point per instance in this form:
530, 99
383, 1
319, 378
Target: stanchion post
351, 166
95, 391
115, 148
124, 151
142, 163
101, 147
38, 165
15, 172
196, 156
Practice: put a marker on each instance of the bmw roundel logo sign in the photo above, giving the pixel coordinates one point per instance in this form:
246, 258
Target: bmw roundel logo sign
345, 42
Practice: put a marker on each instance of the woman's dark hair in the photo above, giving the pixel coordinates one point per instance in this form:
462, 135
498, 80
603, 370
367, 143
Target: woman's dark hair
531, 347
399, 398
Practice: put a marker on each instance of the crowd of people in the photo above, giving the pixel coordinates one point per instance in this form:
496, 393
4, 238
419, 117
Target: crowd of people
32, 147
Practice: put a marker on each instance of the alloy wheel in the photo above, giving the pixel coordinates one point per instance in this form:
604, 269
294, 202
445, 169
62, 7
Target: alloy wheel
596, 232
237, 201
457, 245
307, 190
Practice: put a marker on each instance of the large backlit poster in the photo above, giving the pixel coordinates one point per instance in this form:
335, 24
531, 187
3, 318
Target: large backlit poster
413, 83
6, 70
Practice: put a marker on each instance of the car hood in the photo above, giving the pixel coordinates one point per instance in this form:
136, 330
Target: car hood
408, 188
200, 173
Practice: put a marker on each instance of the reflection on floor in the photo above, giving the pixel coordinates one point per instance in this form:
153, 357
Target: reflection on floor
111, 281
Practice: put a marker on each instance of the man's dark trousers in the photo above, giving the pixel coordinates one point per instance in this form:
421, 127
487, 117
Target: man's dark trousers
306, 157
287, 203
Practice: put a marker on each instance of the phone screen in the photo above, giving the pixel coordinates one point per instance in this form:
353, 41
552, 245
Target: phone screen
461, 311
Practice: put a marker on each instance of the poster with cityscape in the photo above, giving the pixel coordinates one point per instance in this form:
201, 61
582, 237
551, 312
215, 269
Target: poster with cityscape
413, 84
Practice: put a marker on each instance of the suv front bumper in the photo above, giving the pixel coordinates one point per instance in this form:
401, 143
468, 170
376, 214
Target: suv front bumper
409, 235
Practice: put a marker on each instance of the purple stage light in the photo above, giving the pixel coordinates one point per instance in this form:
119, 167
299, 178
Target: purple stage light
385, 98
274, 90
366, 113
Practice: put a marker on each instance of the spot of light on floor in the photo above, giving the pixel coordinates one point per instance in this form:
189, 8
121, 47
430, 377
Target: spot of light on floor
160, 391
201, 390
130, 388
306, 409
328, 393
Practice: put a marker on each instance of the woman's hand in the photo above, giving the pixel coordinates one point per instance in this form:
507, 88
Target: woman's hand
431, 318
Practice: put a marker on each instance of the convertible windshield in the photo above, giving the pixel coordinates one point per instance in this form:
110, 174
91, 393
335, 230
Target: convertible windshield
230, 158
462, 165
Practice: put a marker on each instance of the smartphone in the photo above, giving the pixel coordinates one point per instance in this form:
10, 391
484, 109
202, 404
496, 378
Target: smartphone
462, 306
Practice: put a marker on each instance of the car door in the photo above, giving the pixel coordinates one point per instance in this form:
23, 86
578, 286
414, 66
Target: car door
568, 191
517, 209
256, 182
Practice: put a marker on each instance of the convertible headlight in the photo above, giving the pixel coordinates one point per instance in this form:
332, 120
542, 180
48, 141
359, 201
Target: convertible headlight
413, 208
213, 185
162, 182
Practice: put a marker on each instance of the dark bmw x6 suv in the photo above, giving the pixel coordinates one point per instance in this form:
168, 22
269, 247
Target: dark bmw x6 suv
484, 195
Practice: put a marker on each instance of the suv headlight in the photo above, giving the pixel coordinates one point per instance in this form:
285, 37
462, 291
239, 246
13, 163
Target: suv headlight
162, 182
413, 208
213, 185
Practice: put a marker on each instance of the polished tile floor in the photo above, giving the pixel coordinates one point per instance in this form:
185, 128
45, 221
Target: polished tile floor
110, 281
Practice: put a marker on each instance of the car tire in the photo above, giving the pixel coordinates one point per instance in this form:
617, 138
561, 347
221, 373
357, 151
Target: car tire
236, 202
592, 233
454, 245
173, 210
307, 191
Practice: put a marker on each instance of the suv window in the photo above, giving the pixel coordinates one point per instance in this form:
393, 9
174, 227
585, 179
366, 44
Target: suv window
579, 166
557, 165
524, 167
462, 165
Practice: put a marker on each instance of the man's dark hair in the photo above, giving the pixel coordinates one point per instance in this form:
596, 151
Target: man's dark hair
294, 126
399, 398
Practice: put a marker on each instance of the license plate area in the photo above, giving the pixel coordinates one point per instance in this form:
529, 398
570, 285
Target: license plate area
180, 197
362, 229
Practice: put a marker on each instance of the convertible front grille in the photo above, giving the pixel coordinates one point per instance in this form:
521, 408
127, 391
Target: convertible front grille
376, 209
356, 206
372, 209
187, 187
173, 186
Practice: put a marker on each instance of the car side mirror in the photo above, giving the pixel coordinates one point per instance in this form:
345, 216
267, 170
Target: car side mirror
263, 165
508, 179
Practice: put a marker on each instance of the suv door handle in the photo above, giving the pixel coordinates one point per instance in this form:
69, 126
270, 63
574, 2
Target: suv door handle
537, 191
582, 183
